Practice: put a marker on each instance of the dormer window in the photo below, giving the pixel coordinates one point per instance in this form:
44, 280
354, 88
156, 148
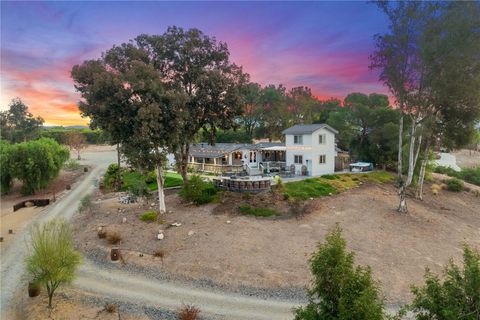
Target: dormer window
297, 139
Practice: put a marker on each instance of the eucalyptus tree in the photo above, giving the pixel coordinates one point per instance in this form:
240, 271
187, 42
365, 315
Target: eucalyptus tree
196, 67
124, 94
429, 59
398, 56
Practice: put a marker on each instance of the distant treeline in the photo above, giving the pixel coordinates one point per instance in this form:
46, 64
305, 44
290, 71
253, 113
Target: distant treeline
60, 134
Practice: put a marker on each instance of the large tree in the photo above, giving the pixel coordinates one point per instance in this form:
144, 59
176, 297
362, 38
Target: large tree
18, 124
197, 67
123, 93
251, 118
430, 61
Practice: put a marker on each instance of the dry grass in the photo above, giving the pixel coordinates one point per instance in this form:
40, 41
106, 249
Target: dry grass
159, 254
188, 312
102, 234
114, 237
111, 307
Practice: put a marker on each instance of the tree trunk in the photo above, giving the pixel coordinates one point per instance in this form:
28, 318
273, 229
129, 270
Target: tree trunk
160, 184
423, 169
118, 179
411, 157
183, 165
78, 155
400, 145
402, 192
419, 146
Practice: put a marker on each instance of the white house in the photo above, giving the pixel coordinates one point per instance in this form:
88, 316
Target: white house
311, 146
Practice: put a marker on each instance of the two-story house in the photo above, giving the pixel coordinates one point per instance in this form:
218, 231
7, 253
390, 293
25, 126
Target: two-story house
311, 146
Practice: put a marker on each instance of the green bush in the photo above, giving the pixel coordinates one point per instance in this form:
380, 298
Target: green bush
470, 175
257, 212
6, 176
454, 185
198, 191
36, 163
456, 297
339, 289
71, 165
308, 188
331, 176
110, 176
85, 203
149, 216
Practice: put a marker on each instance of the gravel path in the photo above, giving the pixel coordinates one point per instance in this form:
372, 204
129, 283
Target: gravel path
151, 292
12, 262
12, 266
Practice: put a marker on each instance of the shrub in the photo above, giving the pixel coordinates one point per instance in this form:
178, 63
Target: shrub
6, 177
149, 216
331, 176
36, 163
198, 191
114, 237
52, 259
85, 204
455, 185
138, 188
71, 165
111, 307
111, 175
456, 297
257, 212
339, 289
308, 188
188, 312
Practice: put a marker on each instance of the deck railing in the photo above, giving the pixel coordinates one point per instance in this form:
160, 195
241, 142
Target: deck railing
215, 168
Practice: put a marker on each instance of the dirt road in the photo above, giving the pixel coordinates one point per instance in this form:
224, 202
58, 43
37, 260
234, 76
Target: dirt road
12, 261
156, 293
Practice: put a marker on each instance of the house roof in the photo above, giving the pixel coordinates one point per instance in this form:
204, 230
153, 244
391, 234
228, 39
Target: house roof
218, 150
308, 128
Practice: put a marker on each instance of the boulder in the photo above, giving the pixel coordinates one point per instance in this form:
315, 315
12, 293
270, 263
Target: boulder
160, 236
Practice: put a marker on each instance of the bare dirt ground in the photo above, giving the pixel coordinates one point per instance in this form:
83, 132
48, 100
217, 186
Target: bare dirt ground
72, 305
236, 250
467, 158
18, 219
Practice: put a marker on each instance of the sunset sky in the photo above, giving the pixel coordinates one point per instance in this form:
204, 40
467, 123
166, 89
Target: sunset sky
323, 45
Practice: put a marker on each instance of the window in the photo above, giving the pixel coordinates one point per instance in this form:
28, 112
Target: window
298, 159
322, 139
297, 139
322, 159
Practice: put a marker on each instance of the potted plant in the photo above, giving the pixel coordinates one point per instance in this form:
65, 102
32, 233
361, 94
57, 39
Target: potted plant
33, 289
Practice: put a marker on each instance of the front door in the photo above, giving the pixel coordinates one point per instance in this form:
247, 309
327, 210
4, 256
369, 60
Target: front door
309, 167
253, 159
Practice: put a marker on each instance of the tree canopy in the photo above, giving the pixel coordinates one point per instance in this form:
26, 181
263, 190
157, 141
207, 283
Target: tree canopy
18, 124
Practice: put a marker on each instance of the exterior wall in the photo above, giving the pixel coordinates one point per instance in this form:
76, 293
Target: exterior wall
311, 151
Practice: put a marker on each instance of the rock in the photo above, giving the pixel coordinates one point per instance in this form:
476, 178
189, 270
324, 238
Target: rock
190, 233
228, 221
124, 220
310, 198
176, 224
160, 236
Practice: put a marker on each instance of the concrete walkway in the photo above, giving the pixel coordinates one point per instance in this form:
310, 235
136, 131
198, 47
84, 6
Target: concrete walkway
448, 160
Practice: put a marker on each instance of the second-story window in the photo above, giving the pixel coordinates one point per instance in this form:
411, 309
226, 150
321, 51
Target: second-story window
298, 139
321, 139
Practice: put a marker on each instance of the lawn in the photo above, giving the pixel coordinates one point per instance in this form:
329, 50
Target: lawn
257, 212
172, 179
